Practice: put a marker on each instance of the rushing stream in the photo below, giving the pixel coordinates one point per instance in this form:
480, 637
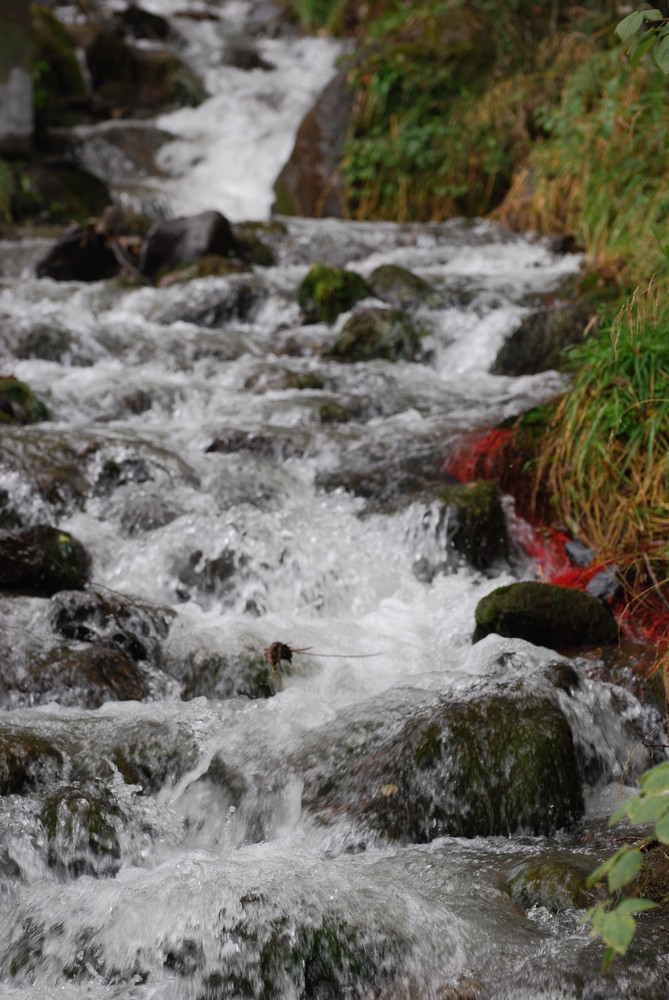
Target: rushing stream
187, 843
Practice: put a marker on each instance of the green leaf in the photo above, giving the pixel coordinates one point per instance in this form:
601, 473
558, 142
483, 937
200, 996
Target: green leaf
625, 869
661, 53
662, 829
635, 905
656, 780
600, 872
652, 15
647, 809
619, 929
642, 46
629, 25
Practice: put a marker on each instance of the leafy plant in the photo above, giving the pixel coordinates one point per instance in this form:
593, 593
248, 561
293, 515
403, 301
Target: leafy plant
613, 920
645, 30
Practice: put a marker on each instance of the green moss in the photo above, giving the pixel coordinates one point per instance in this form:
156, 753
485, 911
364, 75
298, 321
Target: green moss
81, 825
653, 880
326, 291
480, 525
545, 614
554, 884
19, 404
304, 380
372, 333
397, 286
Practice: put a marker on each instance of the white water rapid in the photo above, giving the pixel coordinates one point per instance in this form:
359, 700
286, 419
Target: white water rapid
170, 848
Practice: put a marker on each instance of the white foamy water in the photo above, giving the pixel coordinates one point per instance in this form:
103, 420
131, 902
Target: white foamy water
170, 850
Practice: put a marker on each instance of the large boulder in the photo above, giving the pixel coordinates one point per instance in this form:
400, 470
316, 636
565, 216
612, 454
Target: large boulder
42, 560
545, 614
538, 343
493, 765
311, 182
174, 242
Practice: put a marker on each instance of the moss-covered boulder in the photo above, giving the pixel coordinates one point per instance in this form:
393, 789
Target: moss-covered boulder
471, 523
492, 765
42, 560
388, 334
545, 614
19, 404
82, 822
56, 191
653, 879
27, 760
327, 290
219, 675
554, 883
397, 286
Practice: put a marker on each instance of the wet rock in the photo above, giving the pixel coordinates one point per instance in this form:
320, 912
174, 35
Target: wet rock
150, 754
606, 585
274, 448
179, 241
85, 677
138, 76
26, 761
311, 183
653, 879
545, 614
19, 404
144, 24
210, 576
326, 291
495, 765
376, 333
227, 675
539, 341
42, 560
83, 822
57, 191
214, 306
397, 286
82, 254
243, 56
133, 627
468, 521
579, 553
553, 883
49, 464
60, 82
45, 343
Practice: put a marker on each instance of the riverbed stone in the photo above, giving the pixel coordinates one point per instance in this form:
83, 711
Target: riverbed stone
19, 404
173, 242
132, 626
398, 286
82, 823
42, 560
538, 343
86, 677
545, 614
327, 290
554, 883
471, 519
372, 333
495, 765
27, 760
81, 254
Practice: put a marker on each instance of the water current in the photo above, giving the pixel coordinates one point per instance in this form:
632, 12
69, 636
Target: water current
189, 864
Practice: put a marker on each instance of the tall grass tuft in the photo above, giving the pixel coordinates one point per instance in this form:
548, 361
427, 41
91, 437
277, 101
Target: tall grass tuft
606, 457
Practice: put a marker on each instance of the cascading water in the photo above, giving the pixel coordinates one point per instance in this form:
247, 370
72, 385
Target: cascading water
199, 841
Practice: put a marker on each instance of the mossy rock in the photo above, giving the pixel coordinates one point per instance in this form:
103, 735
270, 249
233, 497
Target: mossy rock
42, 560
86, 677
82, 823
473, 518
493, 766
59, 76
27, 760
216, 675
554, 884
387, 334
151, 754
148, 78
545, 614
19, 404
57, 191
653, 879
397, 286
326, 291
